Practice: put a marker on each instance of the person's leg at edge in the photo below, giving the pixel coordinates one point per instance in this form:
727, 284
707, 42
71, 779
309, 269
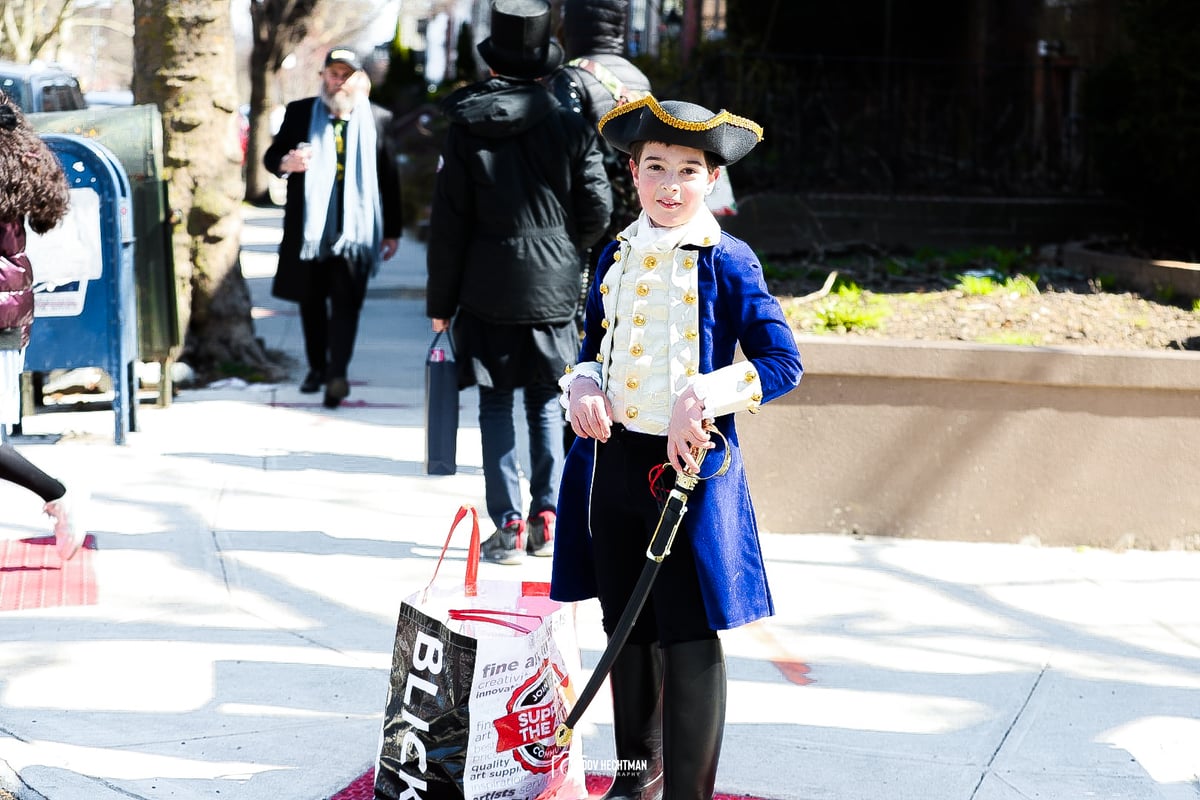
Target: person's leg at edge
543, 416
502, 486
15, 468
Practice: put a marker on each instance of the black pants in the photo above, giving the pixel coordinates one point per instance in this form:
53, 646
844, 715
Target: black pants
624, 515
329, 317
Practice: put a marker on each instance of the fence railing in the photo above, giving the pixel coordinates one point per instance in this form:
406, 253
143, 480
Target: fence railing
902, 126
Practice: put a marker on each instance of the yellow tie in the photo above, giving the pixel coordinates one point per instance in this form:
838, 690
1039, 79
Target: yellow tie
339, 141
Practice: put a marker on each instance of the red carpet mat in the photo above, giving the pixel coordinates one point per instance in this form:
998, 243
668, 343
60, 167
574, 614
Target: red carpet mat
33, 576
364, 788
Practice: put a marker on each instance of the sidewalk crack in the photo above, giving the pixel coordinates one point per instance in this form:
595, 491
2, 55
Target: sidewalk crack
987, 768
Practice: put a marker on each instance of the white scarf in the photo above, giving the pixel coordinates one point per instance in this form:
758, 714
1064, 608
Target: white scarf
362, 214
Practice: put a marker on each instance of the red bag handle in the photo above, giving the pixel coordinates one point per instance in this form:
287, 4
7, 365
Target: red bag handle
471, 579
493, 616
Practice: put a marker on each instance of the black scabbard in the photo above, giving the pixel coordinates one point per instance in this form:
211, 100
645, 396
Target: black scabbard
659, 548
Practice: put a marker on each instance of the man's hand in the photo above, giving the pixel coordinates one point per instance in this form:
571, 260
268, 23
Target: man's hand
589, 410
686, 432
296, 159
387, 248
441, 325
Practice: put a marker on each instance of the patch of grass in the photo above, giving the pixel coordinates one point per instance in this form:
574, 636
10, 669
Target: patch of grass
1021, 285
846, 308
978, 284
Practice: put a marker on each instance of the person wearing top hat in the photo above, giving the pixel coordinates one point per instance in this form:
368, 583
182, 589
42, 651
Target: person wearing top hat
520, 190
680, 333
342, 215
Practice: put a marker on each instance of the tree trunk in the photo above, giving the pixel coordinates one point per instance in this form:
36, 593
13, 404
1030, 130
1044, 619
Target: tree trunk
277, 26
262, 76
185, 65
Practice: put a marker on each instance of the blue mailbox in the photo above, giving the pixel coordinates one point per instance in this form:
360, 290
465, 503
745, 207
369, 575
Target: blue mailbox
90, 321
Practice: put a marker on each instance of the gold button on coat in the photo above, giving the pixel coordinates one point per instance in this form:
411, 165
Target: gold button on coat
689, 297
604, 288
636, 350
691, 335
604, 323
690, 262
631, 382
617, 256
750, 376
643, 290
649, 262
639, 319
631, 412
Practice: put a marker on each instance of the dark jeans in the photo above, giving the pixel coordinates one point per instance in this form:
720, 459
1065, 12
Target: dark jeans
543, 416
329, 318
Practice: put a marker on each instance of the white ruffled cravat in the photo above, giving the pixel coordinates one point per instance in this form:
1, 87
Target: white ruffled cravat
649, 238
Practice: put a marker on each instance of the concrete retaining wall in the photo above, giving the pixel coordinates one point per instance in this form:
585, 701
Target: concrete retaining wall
983, 443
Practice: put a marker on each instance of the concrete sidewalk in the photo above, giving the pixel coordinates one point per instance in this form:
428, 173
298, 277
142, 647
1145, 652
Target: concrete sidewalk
252, 549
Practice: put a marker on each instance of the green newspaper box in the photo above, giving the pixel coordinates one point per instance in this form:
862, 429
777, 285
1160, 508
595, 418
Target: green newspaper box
134, 135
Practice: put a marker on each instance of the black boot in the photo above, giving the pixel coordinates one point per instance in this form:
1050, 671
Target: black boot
693, 718
636, 681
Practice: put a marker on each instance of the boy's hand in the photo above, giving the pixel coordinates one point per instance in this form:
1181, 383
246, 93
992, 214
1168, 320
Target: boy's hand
686, 433
589, 410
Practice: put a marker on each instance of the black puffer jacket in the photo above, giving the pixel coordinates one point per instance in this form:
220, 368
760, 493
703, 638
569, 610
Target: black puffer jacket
521, 190
595, 30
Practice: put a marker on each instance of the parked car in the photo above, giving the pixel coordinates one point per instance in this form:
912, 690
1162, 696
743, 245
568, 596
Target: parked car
41, 87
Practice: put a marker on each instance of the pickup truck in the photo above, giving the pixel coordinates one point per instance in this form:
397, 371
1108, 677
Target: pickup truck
40, 87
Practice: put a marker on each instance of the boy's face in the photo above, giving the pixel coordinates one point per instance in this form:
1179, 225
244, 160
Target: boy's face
672, 182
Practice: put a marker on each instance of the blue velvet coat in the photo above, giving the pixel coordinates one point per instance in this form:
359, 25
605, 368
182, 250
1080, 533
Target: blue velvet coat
720, 524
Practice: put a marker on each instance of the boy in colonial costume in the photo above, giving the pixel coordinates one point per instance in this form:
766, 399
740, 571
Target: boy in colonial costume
672, 300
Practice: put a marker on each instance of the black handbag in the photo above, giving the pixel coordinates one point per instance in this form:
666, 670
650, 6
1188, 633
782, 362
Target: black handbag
441, 409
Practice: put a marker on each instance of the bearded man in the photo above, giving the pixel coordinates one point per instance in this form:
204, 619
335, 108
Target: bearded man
342, 216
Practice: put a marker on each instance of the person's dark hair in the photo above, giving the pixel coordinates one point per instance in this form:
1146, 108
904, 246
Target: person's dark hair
635, 152
32, 183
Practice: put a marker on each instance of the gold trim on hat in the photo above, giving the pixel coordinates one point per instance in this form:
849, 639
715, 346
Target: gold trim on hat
715, 121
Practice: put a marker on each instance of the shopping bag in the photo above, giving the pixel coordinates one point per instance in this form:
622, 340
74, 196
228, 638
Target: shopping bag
441, 409
482, 675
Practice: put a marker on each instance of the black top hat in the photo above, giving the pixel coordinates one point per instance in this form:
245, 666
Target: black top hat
727, 136
344, 54
519, 45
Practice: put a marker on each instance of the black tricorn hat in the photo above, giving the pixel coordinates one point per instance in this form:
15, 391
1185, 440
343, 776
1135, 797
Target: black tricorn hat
727, 136
519, 45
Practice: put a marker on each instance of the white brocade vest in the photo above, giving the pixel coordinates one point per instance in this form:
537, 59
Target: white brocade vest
651, 343
650, 351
